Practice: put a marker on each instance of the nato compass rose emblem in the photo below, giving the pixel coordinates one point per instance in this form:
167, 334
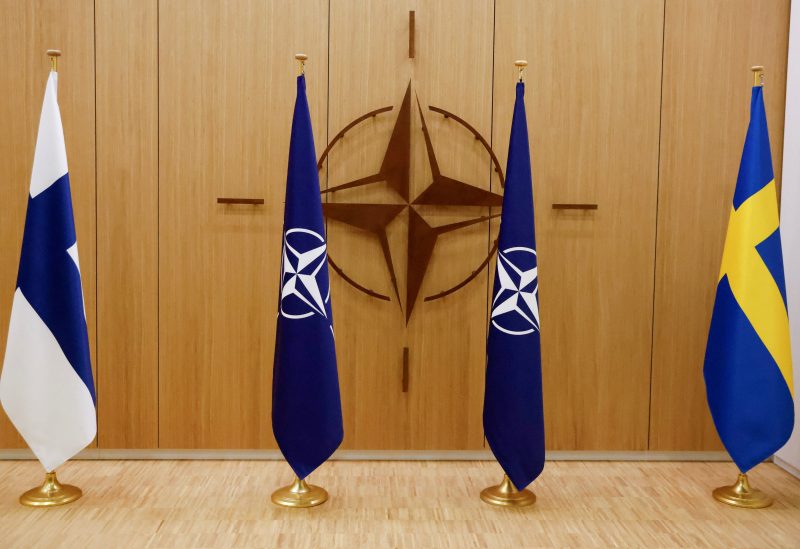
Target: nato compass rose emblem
305, 289
515, 307
394, 173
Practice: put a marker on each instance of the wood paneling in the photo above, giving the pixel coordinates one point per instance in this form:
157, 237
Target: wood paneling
448, 336
226, 95
194, 101
705, 112
127, 223
370, 68
592, 97
29, 29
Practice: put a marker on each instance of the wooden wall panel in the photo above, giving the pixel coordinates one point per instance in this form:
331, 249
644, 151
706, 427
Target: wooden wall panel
127, 222
452, 70
194, 101
705, 112
30, 29
592, 97
369, 69
226, 95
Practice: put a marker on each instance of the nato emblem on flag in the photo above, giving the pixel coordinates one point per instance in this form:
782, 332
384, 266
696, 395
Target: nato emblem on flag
306, 407
513, 416
46, 385
748, 363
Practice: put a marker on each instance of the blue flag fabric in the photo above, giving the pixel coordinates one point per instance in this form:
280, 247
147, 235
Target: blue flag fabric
306, 407
513, 416
748, 363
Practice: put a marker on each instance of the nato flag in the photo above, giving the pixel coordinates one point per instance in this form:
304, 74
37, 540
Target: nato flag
513, 418
306, 408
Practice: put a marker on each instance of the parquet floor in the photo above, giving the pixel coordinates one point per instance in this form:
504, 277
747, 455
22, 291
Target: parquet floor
129, 504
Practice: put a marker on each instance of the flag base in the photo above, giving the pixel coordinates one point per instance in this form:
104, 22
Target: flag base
50, 493
742, 495
299, 494
506, 495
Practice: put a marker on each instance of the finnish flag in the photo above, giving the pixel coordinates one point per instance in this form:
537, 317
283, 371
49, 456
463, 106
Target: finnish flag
46, 385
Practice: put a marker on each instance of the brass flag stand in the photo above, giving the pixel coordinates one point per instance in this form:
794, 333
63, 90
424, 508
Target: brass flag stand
300, 494
740, 494
51, 493
506, 494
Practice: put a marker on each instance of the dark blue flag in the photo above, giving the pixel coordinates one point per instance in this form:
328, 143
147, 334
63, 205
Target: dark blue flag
513, 418
306, 408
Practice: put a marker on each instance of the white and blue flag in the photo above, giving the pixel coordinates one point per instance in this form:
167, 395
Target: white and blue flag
46, 386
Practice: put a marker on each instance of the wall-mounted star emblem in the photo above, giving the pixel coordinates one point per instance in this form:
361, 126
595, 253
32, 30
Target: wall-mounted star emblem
442, 191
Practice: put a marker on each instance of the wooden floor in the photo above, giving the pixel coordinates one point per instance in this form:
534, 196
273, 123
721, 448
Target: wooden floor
131, 504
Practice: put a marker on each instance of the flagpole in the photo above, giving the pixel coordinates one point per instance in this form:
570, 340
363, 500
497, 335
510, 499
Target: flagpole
741, 494
51, 493
506, 494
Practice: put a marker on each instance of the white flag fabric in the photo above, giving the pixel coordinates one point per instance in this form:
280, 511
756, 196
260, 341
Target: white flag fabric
46, 386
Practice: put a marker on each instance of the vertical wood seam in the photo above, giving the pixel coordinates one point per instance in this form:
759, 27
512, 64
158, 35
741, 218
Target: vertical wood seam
489, 285
158, 223
96, 240
655, 234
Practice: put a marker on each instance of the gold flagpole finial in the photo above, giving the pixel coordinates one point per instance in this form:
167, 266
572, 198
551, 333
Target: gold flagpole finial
758, 75
301, 57
520, 64
54, 55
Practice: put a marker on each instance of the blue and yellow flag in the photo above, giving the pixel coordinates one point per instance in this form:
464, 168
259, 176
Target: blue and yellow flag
748, 365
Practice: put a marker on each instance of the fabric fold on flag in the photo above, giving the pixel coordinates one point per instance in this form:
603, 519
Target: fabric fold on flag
306, 406
748, 365
46, 386
513, 416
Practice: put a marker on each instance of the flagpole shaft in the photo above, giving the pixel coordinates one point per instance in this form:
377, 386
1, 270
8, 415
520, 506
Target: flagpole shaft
758, 75
54, 55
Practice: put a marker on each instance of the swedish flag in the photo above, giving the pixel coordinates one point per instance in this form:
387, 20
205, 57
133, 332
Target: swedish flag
748, 366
